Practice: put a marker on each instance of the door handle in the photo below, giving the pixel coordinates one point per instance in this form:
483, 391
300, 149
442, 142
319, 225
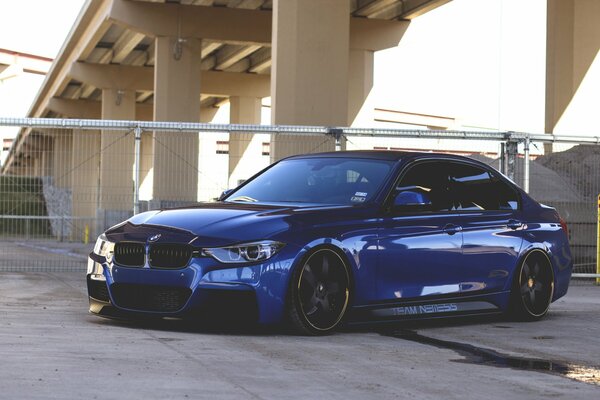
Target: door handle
451, 229
514, 224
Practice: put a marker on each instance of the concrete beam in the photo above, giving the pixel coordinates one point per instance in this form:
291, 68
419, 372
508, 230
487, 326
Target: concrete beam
413, 8
125, 44
111, 76
213, 23
90, 109
368, 7
234, 25
260, 61
80, 109
231, 54
221, 83
376, 34
126, 77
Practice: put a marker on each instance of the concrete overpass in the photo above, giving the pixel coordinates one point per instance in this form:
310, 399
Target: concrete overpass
178, 60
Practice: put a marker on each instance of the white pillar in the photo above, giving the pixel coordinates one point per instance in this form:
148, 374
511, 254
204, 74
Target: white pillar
309, 78
176, 98
245, 149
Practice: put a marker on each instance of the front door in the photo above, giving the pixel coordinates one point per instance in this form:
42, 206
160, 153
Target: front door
420, 244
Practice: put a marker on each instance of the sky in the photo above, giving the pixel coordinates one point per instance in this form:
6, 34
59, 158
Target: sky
37, 26
480, 61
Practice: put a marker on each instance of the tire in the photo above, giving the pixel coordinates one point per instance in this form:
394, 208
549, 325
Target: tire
533, 287
319, 293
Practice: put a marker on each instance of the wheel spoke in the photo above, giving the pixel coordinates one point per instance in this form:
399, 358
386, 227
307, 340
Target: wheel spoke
532, 297
536, 269
312, 310
325, 269
524, 288
538, 287
323, 290
312, 304
325, 304
526, 270
309, 277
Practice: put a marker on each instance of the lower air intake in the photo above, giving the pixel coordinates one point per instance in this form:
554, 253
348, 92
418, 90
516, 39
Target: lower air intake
150, 297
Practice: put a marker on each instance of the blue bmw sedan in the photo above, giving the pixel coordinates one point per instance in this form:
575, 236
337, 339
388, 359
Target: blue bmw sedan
321, 239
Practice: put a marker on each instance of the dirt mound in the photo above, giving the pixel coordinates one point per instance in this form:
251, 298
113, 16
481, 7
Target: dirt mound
579, 166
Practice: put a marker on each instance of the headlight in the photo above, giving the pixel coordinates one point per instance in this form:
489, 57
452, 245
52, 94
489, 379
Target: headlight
104, 247
247, 252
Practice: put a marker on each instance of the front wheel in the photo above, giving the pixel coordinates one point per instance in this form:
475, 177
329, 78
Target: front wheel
533, 287
319, 293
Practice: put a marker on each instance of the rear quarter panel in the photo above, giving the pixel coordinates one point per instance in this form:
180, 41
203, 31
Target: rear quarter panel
542, 230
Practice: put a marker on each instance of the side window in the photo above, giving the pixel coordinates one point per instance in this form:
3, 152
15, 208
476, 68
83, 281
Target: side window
474, 188
431, 179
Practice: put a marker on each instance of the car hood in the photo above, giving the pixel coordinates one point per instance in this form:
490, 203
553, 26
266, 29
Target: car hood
222, 223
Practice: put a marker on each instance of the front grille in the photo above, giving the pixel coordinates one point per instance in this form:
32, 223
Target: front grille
98, 290
130, 254
169, 255
150, 297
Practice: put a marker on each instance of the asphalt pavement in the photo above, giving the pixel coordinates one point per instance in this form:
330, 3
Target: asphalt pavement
50, 347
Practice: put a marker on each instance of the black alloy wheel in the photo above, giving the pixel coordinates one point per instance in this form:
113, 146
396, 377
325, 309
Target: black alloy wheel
320, 293
534, 287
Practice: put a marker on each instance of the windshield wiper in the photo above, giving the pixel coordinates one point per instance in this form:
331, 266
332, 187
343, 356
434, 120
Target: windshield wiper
246, 199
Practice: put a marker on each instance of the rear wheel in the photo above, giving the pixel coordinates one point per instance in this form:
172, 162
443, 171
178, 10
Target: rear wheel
319, 293
533, 287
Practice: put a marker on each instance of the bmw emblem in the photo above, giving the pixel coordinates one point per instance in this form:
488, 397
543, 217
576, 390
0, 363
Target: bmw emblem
154, 238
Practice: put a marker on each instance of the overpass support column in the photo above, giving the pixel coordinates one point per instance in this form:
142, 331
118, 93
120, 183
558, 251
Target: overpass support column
360, 83
116, 159
61, 159
244, 148
309, 78
86, 172
176, 98
560, 48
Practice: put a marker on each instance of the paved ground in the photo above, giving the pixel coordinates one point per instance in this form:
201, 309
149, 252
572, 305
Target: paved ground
51, 348
42, 255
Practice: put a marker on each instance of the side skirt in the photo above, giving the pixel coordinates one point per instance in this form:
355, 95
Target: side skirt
435, 308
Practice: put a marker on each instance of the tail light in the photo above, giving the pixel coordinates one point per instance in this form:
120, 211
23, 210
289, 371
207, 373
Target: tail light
563, 225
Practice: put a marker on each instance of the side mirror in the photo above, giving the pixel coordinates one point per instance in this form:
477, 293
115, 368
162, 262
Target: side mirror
224, 194
411, 198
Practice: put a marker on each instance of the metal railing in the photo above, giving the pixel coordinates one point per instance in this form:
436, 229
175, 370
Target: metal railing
88, 174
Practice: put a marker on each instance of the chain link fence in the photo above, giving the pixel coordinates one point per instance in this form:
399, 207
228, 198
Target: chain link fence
63, 182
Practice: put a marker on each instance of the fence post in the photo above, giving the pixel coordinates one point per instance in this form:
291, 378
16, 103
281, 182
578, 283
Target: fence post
502, 161
337, 134
136, 184
526, 166
511, 158
598, 246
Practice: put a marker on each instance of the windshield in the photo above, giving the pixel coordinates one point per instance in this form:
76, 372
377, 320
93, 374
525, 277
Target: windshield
332, 180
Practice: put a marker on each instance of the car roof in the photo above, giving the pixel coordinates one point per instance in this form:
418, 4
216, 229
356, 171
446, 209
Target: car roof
387, 155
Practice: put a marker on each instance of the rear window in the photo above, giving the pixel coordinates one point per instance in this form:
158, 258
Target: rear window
456, 186
474, 188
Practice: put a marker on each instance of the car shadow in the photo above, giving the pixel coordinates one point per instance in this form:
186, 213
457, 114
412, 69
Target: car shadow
223, 326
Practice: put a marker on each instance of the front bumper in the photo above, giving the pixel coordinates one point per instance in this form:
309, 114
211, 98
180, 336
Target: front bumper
204, 288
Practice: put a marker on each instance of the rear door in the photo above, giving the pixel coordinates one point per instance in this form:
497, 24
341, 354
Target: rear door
491, 226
